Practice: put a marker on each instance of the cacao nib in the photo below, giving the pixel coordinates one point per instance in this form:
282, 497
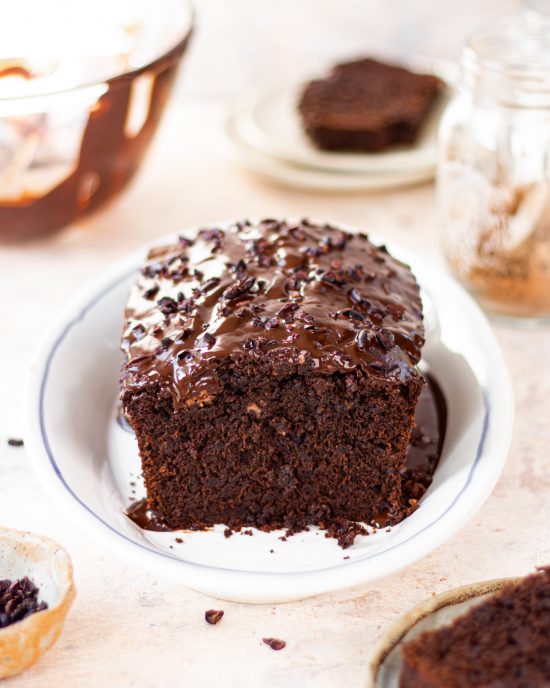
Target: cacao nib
186, 306
151, 292
365, 338
215, 234
331, 277
18, 599
274, 643
207, 340
396, 310
288, 310
213, 616
210, 284
386, 339
355, 296
305, 317
239, 289
167, 305
352, 314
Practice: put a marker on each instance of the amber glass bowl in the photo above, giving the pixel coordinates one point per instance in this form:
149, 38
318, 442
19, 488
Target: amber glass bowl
82, 89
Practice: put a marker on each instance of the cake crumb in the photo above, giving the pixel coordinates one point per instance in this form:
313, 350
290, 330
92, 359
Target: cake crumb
213, 616
274, 643
15, 442
254, 408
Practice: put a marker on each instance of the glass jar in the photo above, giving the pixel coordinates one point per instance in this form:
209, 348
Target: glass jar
494, 169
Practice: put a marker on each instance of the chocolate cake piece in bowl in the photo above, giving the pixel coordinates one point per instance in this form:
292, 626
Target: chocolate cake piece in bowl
271, 377
503, 641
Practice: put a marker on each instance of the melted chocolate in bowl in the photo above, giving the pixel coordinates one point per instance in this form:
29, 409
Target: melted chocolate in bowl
423, 456
67, 148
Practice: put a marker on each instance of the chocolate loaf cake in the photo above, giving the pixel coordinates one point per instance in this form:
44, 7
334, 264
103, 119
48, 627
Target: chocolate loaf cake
504, 641
367, 106
271, 377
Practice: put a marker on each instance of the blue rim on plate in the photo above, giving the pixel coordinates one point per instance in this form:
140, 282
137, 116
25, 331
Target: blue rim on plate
40, 448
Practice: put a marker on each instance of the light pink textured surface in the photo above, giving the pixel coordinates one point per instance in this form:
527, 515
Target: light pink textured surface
128, 629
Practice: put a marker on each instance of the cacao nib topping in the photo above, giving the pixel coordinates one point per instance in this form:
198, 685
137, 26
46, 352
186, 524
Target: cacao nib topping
210, 284
356, 297
288, 310
18, 599
139, 332
396, 310
184, 335
376, 313
386, 338
215, 235
314, 294
213, 616
305, 317
239, 289
151, 292
365, 338
333, 278
352, 314
207, 340
167, 305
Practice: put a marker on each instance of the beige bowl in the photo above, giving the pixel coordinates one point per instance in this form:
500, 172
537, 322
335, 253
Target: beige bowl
385, 660
48, 565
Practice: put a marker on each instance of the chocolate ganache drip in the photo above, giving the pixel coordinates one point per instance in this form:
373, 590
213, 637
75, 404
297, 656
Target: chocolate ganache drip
297, 293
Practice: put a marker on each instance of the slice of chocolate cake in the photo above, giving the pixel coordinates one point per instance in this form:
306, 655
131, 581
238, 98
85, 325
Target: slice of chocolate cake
367, 106
503, 642
271, 377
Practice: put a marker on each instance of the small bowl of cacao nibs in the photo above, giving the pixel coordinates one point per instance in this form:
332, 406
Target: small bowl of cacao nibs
36, 592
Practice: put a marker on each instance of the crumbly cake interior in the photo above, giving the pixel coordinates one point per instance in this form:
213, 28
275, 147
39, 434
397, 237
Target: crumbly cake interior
504, 641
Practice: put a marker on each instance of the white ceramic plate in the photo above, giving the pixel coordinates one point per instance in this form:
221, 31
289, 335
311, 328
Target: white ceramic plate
270, 123
87, 461
299, 177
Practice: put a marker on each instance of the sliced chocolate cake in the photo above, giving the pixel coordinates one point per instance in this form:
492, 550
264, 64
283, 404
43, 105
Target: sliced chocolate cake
367, 106
504, 642
271, 377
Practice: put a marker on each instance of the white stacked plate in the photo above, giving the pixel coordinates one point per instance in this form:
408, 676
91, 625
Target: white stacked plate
264, 134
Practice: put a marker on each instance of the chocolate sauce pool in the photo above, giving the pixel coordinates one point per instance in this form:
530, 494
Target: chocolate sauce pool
145, 518
430, 422
422, 458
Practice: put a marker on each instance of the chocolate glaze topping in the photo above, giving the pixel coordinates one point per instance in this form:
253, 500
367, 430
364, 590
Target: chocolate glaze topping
300, 294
